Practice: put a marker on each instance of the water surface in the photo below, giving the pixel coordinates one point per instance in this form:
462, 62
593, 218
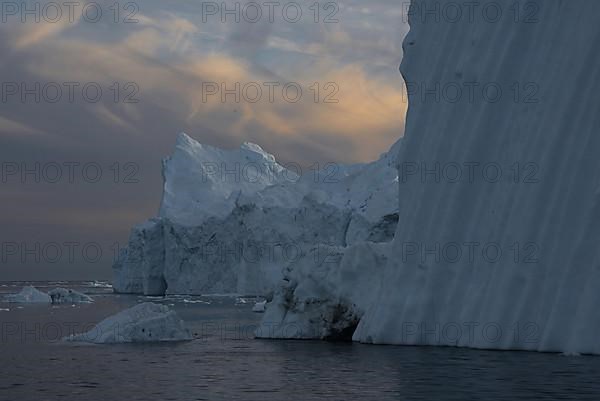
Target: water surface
225, 362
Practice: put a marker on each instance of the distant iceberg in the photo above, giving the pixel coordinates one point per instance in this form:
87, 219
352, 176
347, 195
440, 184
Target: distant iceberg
56, 296
99, 284
231, 220
29, 295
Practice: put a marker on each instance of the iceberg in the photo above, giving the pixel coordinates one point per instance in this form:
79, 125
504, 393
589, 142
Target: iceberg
231, 220
536, 288
145, 322
29, 295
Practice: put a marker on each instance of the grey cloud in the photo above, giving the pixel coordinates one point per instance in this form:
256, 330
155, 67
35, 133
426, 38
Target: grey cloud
143, 133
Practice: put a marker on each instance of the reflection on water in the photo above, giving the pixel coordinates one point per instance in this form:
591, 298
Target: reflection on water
224, 362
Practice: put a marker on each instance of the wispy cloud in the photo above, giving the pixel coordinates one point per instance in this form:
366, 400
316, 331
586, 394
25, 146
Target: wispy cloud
12, 127
32, 33
153, 56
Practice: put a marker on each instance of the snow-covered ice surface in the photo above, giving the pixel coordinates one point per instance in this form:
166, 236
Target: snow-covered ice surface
198, 183
145, 322
29, 294
201, 181
233, 233
68, 296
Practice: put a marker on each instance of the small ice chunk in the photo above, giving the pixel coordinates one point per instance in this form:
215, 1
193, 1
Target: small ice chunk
259, 307
195, 301
146, 322
99, 284
68, 296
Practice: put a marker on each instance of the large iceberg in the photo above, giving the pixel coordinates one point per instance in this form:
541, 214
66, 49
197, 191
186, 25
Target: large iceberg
230, 221
499, 178
532, 202
145, 322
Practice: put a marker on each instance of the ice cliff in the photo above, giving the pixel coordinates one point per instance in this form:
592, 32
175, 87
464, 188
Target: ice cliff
496, 245
230, 221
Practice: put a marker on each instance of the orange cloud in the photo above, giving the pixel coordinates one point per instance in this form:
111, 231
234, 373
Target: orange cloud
369, 112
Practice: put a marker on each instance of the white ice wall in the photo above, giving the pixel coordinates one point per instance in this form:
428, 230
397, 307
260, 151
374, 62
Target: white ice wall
545, 297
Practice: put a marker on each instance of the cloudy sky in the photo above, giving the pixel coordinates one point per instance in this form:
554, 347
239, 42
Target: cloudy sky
93, 96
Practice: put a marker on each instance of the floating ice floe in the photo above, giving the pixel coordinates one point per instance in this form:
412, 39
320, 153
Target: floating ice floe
195, 301
68, 296
99, 284
259, 307
146, 322
56, 296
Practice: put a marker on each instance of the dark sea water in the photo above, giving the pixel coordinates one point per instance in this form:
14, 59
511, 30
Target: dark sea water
225, 362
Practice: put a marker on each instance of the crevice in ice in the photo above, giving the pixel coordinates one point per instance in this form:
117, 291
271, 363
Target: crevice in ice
342, 325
